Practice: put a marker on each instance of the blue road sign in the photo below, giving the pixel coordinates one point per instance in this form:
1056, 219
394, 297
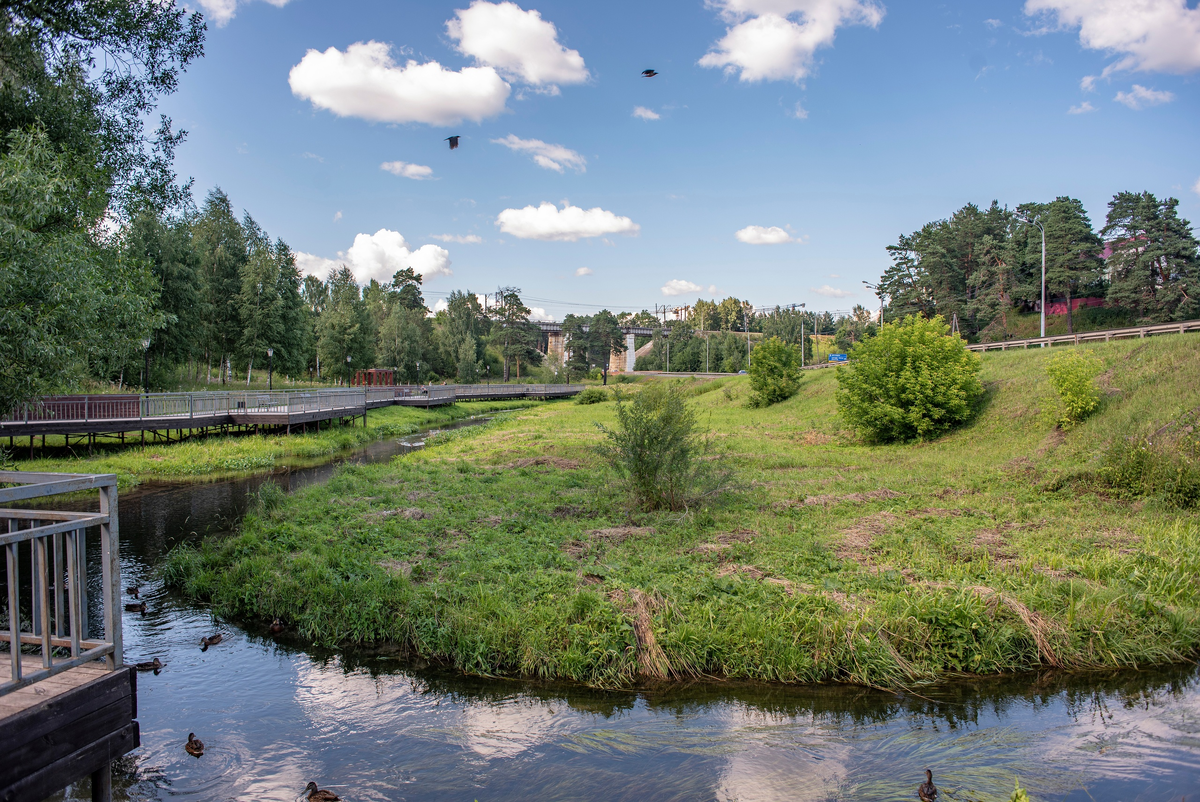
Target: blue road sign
838, 358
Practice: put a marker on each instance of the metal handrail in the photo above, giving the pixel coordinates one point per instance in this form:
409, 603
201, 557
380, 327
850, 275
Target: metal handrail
56, 558
1090, 336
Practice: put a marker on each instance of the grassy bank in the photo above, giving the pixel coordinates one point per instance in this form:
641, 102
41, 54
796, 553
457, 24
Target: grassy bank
217, 456
508, 548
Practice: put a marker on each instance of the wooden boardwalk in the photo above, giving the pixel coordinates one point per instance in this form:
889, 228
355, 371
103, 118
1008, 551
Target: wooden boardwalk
68, 705
159, 415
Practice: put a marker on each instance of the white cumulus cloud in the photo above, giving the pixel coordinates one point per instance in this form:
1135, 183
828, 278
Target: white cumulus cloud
552, 157
538, 313
643, 113
462, 239
418, 172
568, 224
1141, 97
776, 40
222, 11
378, 256
677, 286
763, 235
1082, 108
1148, 35
365, 82
583, 271
518, 43
830, 292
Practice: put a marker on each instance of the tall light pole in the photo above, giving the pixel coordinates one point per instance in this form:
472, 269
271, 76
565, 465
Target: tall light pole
746, 323
146, 375
270, 369
878, 292
348, 376
418, 373
1037, 222
487, 375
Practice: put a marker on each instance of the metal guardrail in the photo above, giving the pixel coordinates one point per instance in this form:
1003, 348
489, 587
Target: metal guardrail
1091, 336
52, 546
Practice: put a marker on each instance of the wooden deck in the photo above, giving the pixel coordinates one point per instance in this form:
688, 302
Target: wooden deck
65, 728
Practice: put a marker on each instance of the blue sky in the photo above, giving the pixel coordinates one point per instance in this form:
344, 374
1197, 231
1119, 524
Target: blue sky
831, 125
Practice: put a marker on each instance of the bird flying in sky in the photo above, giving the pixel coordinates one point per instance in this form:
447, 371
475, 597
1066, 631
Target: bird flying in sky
453, 140
648, 73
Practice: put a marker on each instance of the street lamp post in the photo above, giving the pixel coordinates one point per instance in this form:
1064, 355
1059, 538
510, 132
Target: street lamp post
487, 374
348, 376
270, 369
1037, 222
418, 373
878, 292
146, 374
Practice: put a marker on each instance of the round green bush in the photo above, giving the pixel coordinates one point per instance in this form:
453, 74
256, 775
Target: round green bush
774, 372
911, 380
592, 395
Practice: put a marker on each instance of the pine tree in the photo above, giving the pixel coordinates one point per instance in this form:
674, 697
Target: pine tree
221, 242
1154, 266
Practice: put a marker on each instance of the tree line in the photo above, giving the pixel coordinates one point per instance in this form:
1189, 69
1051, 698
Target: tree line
981, 265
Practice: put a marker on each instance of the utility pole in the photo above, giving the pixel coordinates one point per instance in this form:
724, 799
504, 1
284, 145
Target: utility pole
746, 323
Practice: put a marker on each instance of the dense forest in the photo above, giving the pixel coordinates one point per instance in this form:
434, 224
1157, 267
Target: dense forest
982, 265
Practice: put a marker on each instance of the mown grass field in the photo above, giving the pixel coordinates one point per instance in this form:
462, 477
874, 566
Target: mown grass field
510, 549
218, 456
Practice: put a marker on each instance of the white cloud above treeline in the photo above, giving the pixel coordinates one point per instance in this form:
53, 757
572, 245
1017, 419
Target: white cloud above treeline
1140, 97
643, 113
365, 82
378, 256
520, 44
775, 40
220, 12
568, 224
462, 239
1148, 35
417, 172
830, 292
763, 235
677, 286
583, 271
551, 157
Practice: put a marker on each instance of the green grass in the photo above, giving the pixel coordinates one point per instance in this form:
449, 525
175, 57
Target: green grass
508, 549
215, 457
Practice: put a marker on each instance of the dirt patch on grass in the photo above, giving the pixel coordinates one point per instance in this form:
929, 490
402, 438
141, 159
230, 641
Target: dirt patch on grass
726, 541
857, 542
490, 520
407, 513
848, 498
553, 462
1116, 538
598, 540
417, 495
640, 607
995, 542
396, 567
757, 574
934, 512
813, 438
569, 511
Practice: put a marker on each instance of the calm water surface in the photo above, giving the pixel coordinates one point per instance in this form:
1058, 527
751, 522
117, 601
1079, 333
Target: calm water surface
274, 716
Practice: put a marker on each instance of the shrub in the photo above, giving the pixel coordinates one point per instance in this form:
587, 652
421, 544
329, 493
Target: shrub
910, 380
1073, 376
1168, 469
592, 395
774, 373
658, 450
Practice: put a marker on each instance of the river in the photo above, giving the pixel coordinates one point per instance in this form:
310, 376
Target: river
275, 714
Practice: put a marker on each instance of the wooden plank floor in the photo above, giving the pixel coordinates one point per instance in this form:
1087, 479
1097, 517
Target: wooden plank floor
22, 698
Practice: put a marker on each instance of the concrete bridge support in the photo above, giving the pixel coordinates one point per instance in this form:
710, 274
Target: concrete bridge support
554, 347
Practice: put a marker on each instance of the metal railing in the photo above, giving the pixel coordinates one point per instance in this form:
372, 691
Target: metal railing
52, 546
1091, 336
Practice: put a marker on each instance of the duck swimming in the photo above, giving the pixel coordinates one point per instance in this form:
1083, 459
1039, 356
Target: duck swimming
151, 665
927, 791
136, 608
194, 745
276, 626
312, 792
211, 640
133, 591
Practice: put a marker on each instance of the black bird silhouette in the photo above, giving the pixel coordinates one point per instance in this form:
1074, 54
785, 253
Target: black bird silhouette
927, 791
453, 140
136, 608
133, 591
648, 73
